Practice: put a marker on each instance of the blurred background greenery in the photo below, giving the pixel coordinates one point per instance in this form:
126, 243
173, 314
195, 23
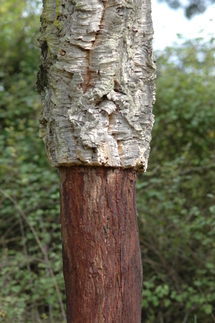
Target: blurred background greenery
175, 198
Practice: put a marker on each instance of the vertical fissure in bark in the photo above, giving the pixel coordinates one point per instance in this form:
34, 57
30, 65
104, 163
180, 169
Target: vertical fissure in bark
101, 253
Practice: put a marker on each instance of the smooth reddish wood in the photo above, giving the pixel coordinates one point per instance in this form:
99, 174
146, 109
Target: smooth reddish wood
101, 252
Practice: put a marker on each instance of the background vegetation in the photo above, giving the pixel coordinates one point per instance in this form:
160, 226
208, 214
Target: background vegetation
175, 198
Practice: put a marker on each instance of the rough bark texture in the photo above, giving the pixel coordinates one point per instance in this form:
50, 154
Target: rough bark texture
101, 253
97, 82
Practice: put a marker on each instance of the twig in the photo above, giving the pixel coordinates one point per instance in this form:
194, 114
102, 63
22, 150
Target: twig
47, 271
201, 291
196, 169
169, 269
8, 230
23, 241
186, 317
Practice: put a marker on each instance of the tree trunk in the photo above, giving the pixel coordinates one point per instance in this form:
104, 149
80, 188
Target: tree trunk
101, 253
97, 88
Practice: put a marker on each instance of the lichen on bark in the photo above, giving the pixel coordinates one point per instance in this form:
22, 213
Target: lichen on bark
99, 90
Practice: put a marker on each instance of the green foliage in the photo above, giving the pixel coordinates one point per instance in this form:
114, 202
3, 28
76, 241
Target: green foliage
175, 198
29, 187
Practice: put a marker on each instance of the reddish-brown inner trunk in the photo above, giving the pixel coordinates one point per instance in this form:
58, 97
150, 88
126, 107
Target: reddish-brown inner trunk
101, 252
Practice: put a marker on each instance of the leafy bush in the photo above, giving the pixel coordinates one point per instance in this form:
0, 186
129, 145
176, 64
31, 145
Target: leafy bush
176, 196
31, 279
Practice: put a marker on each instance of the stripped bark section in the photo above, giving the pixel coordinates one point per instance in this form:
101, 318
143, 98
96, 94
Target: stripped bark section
97, 63
101, 253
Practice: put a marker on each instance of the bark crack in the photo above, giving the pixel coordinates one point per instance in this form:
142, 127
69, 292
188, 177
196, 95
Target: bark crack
87, 77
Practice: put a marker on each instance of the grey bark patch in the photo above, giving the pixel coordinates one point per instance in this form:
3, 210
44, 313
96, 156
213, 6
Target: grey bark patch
97, 82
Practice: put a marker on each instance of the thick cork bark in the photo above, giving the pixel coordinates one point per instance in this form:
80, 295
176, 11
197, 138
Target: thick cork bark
96, 82
101, 253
